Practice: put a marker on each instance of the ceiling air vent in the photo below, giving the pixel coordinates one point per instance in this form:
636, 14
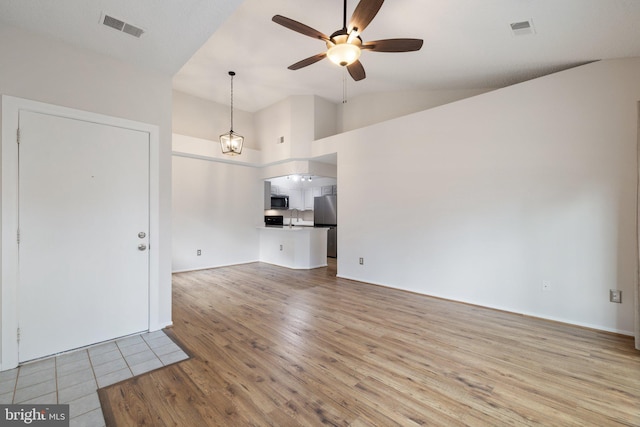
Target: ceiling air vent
134, 31
523, 27
120, 25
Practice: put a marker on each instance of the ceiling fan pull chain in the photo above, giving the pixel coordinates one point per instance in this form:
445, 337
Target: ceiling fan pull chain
344, 85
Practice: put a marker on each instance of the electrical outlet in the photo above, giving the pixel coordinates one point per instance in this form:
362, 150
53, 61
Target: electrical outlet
615, 296
546, 285
199, 252
280, 247
361, 261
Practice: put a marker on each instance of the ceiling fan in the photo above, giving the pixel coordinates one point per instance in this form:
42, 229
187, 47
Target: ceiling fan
345, 45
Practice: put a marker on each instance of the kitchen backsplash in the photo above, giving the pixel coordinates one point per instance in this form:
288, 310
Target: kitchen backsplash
304, 215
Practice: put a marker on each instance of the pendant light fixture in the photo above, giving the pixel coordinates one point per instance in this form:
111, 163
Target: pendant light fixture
231, 142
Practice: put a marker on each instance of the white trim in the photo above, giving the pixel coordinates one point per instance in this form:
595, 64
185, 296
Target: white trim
206, 149
187, 270
636, 286
215, 159
11, 107
159, 326
495, 307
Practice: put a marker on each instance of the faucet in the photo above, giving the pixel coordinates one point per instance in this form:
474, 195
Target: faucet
291, 217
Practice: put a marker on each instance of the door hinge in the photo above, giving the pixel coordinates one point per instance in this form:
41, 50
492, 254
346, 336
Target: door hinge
18, 136
18, 334
18, 236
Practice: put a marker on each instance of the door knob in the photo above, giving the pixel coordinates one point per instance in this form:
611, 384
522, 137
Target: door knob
142, 247
142, 234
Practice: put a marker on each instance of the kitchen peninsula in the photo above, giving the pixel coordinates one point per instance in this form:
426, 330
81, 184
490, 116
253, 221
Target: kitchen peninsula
294, 247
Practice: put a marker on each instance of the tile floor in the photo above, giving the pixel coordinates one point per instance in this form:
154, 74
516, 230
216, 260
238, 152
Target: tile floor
74, 377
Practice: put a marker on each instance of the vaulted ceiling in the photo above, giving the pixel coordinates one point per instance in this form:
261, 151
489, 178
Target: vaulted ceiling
468, 44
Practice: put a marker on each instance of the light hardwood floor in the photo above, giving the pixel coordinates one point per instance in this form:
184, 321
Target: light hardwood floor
277, 347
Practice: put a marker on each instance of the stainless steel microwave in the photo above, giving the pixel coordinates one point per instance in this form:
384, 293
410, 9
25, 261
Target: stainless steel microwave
279, 202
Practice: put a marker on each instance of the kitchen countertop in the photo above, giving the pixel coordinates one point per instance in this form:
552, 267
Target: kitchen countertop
293, 228
298, 223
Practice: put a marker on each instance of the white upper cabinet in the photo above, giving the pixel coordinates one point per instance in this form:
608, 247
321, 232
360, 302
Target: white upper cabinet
296, 199
327, 190
301, 193
309, 195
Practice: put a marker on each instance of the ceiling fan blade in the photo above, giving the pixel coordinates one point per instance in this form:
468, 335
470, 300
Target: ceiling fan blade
364, 13
308, 61
393, 45
356, 70
299, 27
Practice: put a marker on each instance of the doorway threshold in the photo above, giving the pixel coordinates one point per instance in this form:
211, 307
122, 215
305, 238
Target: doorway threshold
73, 378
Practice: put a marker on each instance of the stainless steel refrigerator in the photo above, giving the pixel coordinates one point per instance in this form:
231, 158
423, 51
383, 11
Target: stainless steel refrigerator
325, 214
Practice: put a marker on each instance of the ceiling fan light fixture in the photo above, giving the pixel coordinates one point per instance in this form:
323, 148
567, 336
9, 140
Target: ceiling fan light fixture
345, 45
344, 54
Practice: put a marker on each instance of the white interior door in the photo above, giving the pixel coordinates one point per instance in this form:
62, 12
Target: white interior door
83, 203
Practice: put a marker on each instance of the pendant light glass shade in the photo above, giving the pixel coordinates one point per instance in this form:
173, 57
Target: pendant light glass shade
231, 142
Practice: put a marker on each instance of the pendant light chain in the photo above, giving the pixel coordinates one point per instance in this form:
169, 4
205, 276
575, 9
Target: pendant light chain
231, 143
231, 73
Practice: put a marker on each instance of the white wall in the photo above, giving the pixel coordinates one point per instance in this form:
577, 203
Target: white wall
42, 69
216, 208
217, 200
271, 124
201, 118
326, 118
487, 197
365, 110
302, 125
300, 120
